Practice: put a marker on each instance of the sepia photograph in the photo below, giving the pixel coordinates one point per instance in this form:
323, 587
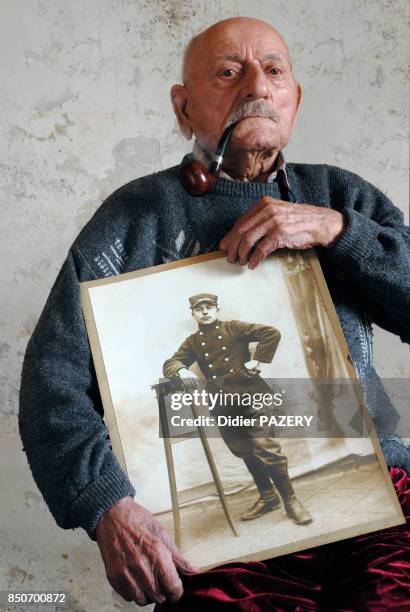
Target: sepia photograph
212, 380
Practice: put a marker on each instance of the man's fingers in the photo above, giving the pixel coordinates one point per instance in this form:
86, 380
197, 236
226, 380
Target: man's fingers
186, 383
145, 573
244, 225
126, 586
161, 580
139, 564
295, 227
259, 215
139, 596
262, 250
189, 384
259, 212
170, 581
249, 241
182, 564
231, 243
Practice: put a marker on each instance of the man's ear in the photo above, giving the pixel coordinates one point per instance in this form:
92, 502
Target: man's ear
179, 98
299, 101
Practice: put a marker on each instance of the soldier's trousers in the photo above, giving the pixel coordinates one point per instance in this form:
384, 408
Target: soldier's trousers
255, 444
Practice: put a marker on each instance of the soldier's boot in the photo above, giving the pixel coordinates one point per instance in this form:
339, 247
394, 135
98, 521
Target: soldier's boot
297, 512
294, 508
268, 501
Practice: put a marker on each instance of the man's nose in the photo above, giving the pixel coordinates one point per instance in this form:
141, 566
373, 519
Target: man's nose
256, 83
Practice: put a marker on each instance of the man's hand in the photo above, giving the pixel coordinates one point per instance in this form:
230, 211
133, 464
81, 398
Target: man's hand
140, 559
189, 379
274, 224
251, 365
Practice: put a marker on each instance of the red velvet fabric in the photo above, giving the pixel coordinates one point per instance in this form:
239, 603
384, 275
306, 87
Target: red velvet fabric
367, 573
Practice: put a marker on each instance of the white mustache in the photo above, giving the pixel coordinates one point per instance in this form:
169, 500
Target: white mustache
249, 109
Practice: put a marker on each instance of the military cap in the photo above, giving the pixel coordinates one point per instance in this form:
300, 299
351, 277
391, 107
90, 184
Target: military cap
194, 300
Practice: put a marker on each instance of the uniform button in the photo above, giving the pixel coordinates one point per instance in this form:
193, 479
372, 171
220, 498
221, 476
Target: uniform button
201, 333
210, 365
203, 343
219, 337
224, 348
231, 370
214, 376
206, 354
226, 358
216, 326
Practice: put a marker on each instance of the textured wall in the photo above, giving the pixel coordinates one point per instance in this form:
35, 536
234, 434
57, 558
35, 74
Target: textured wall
84, 107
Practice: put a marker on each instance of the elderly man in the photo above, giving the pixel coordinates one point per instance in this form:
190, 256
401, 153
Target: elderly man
238, 69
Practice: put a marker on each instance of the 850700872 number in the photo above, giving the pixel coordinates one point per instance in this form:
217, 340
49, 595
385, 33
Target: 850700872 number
34, 598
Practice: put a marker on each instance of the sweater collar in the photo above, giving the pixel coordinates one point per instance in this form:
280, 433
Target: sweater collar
244, 190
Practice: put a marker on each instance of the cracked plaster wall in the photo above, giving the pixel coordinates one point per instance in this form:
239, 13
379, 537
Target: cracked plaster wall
84, 108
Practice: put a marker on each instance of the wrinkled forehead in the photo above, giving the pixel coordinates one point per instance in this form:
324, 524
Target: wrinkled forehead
243, 41
236, 42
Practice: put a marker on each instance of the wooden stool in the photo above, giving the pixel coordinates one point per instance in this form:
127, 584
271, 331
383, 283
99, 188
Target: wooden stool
163, 389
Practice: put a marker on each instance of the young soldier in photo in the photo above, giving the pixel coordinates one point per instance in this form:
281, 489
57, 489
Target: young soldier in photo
221, 350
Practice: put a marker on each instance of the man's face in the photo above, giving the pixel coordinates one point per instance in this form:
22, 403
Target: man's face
239, 64
205, 313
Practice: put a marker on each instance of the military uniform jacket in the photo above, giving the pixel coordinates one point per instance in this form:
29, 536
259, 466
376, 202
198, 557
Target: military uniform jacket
222, 348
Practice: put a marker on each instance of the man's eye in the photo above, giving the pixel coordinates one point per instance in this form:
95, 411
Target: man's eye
275, 71
228, 72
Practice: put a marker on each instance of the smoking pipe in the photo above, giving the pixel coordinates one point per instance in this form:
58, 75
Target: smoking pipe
196, 178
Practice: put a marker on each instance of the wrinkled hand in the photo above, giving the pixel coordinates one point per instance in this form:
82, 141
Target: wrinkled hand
274, 224
140, 559
189, 379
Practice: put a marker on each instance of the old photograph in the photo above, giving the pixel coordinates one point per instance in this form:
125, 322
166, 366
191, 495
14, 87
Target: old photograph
195, 361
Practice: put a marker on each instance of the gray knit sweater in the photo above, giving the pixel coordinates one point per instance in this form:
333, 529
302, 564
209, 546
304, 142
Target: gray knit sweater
152, 220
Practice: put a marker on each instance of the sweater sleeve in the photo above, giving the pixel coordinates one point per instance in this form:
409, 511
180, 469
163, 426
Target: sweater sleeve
60, 417
374, 251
